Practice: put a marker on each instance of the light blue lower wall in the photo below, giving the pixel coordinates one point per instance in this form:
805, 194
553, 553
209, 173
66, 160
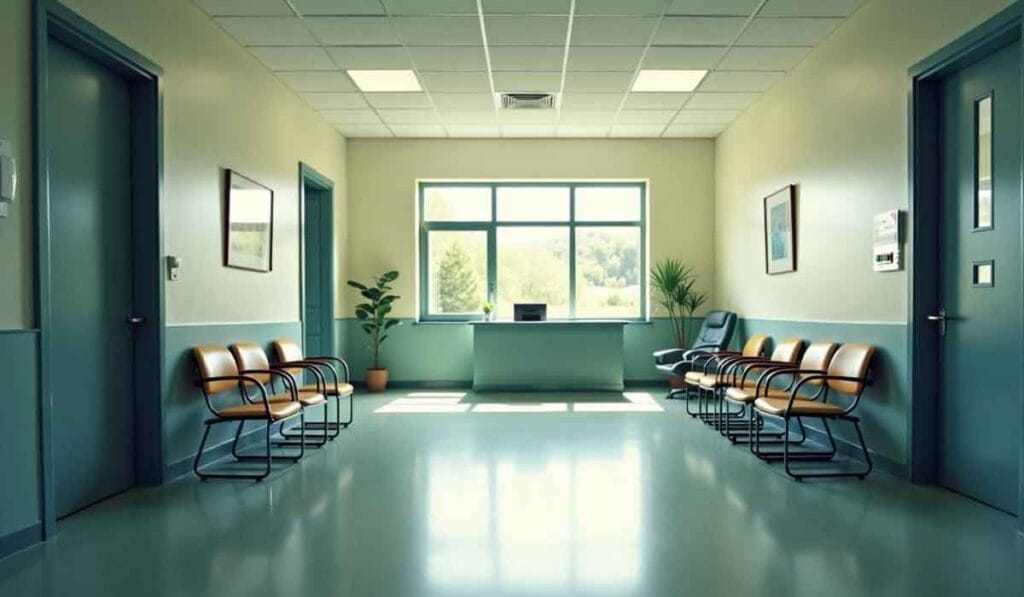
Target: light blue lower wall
184, 407
885, 408
20, 512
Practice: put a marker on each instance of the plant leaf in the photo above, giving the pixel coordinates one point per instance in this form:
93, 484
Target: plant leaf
355, 284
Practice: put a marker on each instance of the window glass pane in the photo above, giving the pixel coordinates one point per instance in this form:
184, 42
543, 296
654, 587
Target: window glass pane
457, 204
533, 204
608, 272
608, 204
983, 202
533, 267
457, 272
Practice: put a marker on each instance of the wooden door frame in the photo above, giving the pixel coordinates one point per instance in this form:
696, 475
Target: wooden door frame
308, 176
924, 218
52, 21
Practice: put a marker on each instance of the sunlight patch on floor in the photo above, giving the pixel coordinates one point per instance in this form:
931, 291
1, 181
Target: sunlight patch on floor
451, 402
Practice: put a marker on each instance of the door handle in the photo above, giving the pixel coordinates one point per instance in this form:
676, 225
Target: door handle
942, 319
135, 320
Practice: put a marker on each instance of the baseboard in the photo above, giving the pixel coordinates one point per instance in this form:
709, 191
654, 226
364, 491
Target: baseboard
455, 384
852, 451
18, 540
183, 467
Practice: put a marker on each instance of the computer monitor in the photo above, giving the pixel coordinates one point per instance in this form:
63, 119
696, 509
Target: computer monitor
531, 312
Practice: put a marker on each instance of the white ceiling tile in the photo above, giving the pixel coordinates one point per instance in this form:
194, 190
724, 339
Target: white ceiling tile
637, 130
442, 58
587, 117
369, 57
714, 7
267, 31
317, 81
463, 101
654, 101
661, 117
430, 7
527, 57
364, 131
683, 57
527, 117
472, 130
509, 81
411, 116
468, 117
418, 130
398, 100
706, 117
694, 131
366, 116
527, 130
809, 8
777, 59
526, 31
597, 81
787, 32
534, 7
583, 131
592, 101
440, 31
721, 101
334, 101
338, 7
620, 7
245, 8
741, 80
604, 57
290, 58
353, 31
455, 81
612, 31
698, 31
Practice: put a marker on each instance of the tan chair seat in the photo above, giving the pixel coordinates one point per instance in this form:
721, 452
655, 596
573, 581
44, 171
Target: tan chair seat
694, 376
813, 408
305, 398
710, 382
278, 410
747, 394
344, 389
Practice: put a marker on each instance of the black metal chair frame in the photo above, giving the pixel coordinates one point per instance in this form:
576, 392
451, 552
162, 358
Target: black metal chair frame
328, 429
764, 369
292, 385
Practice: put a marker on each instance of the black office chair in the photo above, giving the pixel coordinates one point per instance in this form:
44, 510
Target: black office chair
714, 335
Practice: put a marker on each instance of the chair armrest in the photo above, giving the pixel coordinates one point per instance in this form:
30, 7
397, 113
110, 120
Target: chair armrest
669, 356
240, 379
339, 360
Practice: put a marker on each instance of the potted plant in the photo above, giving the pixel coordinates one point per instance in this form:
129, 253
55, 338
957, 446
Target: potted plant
673, 286
373, 313
488, 309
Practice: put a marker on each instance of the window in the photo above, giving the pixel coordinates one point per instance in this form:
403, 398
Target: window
578, 247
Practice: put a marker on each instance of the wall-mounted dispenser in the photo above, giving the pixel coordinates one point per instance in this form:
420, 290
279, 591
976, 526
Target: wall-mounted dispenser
8, 177
173, 267
888, 240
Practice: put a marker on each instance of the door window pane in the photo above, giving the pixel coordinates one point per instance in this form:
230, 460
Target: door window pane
608, 272
608, 204
457, 204
533, 204
533, 267
983, 199
457, 267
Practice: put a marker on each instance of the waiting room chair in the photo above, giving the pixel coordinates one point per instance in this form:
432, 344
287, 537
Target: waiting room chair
714, 335
218, 374
289, 354
712, 369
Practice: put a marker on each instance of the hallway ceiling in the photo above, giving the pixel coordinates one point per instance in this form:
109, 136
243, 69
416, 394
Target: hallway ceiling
588, 51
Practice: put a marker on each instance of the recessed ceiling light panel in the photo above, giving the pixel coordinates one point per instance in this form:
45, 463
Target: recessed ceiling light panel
372, 81
667, 81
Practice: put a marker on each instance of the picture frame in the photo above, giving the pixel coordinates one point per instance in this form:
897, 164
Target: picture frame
249, 224
780, 231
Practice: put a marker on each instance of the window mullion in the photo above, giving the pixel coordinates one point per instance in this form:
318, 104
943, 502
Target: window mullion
572, 252
492, 250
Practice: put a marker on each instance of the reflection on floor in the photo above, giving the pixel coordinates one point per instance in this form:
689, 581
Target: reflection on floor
554, 501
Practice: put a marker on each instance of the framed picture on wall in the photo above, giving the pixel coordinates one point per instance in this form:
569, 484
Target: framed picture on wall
249, 234
780, 231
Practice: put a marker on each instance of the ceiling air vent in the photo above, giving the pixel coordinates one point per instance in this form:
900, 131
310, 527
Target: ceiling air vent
527, 101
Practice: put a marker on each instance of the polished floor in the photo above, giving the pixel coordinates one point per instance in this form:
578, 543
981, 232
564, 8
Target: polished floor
444, 494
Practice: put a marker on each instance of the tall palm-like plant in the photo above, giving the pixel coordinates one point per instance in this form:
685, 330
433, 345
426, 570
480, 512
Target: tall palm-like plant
673, 285
373, 314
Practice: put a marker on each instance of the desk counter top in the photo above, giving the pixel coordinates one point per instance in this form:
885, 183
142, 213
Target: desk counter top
570, 322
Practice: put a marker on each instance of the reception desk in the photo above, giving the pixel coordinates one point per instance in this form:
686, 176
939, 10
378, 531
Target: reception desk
548, 355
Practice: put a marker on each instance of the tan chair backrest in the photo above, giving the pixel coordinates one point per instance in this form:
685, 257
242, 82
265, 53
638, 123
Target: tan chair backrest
755, 346
251, 356
788, 351
214, 360
288, 350
851, 360
817, 358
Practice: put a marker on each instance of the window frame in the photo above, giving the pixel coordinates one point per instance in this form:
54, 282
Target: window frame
490, 227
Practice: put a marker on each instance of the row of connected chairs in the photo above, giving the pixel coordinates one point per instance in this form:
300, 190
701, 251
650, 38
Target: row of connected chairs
272, 394
737, 393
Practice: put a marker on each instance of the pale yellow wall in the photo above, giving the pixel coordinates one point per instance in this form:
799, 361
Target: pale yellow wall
382, 191
837, 126
222, 109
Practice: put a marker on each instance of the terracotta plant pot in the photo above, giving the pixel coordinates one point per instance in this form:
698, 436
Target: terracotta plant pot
676, 382
376, 380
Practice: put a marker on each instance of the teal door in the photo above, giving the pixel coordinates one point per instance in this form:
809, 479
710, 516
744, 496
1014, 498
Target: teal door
980, 401
88, 128
318, 294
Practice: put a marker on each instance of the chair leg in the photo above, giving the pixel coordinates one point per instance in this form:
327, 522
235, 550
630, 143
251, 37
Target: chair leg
860, 473
197, 464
